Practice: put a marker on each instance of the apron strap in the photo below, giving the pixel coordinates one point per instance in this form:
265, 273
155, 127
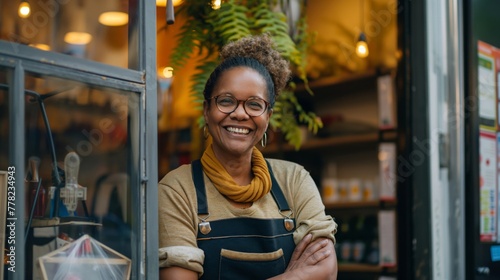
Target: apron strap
276, 192
201, 195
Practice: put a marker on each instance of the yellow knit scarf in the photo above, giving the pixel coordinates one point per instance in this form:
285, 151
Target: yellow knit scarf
260, 185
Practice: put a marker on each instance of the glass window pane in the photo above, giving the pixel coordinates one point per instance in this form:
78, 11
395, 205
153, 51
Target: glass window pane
100, 126
91, 29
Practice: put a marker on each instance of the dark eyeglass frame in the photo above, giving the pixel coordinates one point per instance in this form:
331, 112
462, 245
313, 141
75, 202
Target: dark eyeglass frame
268, 105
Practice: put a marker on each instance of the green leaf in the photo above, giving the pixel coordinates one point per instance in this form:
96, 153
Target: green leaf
203, 71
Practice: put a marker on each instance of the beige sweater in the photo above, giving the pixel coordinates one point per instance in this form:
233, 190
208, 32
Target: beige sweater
178, 218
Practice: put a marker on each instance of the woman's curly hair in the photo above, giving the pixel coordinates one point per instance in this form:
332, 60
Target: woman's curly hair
256, 52
261, 48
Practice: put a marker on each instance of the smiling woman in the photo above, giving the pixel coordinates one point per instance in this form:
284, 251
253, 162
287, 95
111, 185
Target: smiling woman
234, 214
237, 129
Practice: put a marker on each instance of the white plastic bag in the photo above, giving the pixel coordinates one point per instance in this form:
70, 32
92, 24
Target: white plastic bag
85, 258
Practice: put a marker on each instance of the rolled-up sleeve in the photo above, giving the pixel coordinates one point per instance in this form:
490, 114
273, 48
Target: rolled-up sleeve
182, 256
318, 228
177, 223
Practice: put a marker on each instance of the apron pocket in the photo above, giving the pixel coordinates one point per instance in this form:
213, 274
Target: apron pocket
242, 265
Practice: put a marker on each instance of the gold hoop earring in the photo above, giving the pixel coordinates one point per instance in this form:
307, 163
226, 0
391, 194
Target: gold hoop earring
205, 131
263, 141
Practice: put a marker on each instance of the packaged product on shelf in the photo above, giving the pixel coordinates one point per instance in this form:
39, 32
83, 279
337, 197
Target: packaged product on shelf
356, 224
344, 242
387, 237
355, 189
386, 102
36, 190
387, 171
330, 190
330, 184
358, 251
369, 190
343, 190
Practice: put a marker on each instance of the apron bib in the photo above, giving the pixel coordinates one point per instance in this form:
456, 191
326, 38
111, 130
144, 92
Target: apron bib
243, 248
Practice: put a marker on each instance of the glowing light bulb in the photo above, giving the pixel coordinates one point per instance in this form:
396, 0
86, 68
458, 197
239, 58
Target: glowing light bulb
77, 38
362, 49
113, 18
361, 46
168, 72
216, 4
163, 3
24, 9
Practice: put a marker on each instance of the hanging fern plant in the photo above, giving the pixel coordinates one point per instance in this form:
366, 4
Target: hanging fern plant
207, 29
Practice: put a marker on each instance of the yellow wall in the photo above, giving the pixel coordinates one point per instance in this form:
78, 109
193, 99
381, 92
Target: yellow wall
337, 25
178, 107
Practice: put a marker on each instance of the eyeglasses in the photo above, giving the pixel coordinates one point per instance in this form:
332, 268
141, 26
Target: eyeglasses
254, 106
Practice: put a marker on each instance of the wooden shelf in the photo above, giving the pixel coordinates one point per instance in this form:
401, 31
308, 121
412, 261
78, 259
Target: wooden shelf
353, 204
360, 204
355, 267
54, 222
319, 143
338, 80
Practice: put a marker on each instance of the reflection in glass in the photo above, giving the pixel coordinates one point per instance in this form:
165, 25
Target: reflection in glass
94, 124
90, 29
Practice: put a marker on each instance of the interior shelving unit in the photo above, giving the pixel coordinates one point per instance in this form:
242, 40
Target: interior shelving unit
355, 150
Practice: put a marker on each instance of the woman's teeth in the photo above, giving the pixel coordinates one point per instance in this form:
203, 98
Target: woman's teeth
238, 130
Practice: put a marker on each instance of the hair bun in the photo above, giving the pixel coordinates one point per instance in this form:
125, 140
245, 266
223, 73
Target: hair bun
261, 48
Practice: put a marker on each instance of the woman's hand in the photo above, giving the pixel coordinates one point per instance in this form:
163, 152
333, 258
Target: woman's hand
307, 253
312, 260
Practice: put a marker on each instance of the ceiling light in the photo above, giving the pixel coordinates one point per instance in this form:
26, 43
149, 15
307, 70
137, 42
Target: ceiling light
361, 46
77, 38
24, 9
163, 3
167, 72
216, 4
113, 18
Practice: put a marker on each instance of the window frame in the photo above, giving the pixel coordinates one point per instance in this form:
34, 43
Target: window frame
22, 59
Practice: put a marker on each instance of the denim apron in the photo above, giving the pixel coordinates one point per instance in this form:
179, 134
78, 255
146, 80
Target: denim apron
243, 248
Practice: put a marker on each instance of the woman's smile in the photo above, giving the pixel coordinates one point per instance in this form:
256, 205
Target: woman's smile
238, 130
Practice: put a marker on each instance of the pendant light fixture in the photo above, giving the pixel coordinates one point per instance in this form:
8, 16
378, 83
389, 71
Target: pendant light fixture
116, 14
24, 10
361, 45
113, 18
78, 36
216, 4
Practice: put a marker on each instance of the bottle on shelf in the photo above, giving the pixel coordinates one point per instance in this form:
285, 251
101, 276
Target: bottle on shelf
330, 183
36, 200
355, 193
358, 239
344, 241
